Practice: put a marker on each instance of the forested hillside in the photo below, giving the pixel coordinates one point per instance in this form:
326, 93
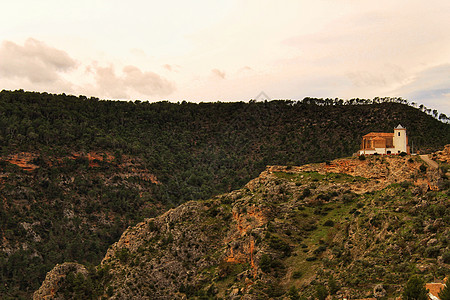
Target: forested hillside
75, 172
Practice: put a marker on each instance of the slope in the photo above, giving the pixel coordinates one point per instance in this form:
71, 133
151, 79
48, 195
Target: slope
291, 230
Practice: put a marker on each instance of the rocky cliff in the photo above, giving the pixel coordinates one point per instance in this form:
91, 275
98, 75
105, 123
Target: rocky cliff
443, 156
346, 227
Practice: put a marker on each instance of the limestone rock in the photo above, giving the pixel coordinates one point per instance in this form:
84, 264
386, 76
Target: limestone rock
55, 278
379, 291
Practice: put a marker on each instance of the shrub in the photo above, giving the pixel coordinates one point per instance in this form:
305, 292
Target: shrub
444, 294
320, 249
432, 252
321, 292
152, 226
415, 289
264, 263
306, 192
278, 244
123, 255
405, 184
329, 223
423, 168
297, 275
332, 285
446, 257
293, 293
362, 157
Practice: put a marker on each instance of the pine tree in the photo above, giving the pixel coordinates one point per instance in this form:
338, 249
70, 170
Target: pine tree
444, 294
415, 289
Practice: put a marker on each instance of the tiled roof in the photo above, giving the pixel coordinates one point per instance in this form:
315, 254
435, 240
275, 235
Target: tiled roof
434, 289
380, 134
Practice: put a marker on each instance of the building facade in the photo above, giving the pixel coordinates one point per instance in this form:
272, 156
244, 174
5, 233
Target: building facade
385, 143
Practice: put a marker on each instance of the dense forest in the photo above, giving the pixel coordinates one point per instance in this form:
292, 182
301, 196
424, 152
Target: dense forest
71, 207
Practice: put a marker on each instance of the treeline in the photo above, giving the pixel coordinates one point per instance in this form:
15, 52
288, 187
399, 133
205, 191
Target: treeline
377, 100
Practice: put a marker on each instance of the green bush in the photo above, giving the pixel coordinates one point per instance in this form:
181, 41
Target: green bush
123, 255
329, 223
321, 292
306, 193
405, 184
293, 293
423, 168
278, 244
444, 294
415, 289
432, 252
332, 285
264, 263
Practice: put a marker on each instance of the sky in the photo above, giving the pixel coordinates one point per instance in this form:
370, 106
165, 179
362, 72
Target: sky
229, 50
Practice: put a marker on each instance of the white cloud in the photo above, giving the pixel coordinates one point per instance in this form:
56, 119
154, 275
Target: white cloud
34, 61
146, 83
37, 66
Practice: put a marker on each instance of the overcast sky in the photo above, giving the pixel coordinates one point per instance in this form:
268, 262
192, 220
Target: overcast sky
229, 50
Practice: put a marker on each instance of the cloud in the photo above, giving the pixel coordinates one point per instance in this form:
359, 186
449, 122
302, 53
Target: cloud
34, 61
172, 68
130, 81
218, 73
37, 66
431, 87
147, 83
388, 75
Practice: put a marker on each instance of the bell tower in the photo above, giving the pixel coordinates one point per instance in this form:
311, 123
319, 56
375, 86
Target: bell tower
400, 139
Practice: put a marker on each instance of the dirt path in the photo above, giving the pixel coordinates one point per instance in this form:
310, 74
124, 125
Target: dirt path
430, 162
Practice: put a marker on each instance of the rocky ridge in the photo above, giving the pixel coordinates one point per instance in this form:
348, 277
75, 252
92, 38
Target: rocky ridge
349, 225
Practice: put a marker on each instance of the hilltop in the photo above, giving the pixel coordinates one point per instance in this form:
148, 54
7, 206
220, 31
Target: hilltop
75, 172
343, 227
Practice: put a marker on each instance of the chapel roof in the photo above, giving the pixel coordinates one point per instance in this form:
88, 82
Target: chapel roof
379, 134
434, 289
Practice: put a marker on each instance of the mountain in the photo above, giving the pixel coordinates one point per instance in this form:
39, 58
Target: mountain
344, 227
75, 172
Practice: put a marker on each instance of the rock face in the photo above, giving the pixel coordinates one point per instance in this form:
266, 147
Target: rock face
379, 291
443, 155
55, 278
383, 170
347, 224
